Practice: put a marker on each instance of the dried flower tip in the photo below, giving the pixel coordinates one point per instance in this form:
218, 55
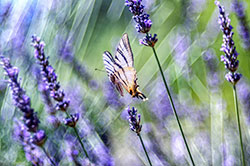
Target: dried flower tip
133, 122
149, 40
38, 138
72, 120
233, 77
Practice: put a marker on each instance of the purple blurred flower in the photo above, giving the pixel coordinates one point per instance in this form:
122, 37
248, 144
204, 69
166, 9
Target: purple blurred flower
229, 160
72, 153
159, 106
66, 53
244, 96
212, 66
102, 155
31, 152
49, 75
4, 12
111, 95
228, 47
239, 10
178, 148
134, 123
21, 100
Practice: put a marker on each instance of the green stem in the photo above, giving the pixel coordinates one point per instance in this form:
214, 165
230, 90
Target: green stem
144, 148
172, 105
51, 161
238, 121
79, 139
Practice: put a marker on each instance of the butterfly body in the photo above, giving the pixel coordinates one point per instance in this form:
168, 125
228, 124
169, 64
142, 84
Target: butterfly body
121, 69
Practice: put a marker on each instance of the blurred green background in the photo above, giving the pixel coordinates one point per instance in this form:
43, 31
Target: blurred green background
77, 33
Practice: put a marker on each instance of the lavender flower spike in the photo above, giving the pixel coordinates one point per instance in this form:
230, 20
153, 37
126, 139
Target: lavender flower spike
21, 100
22, 134
49, 75
143, 22
133, 122
228, 47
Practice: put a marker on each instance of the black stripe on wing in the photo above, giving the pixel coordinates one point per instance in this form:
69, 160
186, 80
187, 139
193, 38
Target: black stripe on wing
109, 62
124, 55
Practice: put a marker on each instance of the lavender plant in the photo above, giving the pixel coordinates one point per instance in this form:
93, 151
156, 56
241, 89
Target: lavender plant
22, 134
135, 126
66, 53
243, 30
30, 119
50, 80
231, 63
143, 25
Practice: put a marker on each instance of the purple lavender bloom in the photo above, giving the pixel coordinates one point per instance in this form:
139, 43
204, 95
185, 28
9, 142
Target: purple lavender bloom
72, 120
5, 10
243, 26
38, 138
244, 95
72, 153
149, 40
66, 53
228, 47
102, 155
143, 22
31, 152
111, 95
21, 100
49, 75
133, 122
140, 17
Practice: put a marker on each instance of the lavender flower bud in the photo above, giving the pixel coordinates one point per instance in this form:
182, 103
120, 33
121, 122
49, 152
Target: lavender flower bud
228, 47
149, 40
133, 122
233, 77
72, 120
38, 138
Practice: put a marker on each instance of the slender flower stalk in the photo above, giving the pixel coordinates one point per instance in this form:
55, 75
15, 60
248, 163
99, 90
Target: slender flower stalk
50, 80
28, 132
231, 63
135, 126
143, 26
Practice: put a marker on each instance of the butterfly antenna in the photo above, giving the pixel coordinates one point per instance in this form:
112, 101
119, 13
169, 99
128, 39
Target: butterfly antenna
100, 70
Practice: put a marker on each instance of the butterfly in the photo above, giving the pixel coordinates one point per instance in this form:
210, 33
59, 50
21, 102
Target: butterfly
121, 69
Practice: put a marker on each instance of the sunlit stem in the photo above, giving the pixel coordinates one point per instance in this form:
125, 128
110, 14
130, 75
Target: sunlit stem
79, 139
238, 121
172, 104
144, 148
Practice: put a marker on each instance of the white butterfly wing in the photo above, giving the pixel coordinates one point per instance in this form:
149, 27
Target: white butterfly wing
124, 56
111, 68
109, 62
